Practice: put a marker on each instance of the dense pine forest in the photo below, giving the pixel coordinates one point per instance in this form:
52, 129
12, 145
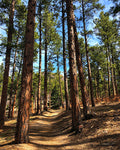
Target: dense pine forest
60, 74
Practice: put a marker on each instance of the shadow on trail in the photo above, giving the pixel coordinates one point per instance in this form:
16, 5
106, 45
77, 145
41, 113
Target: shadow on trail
57, 125
106, 141
107, 108
61, 126
52, 130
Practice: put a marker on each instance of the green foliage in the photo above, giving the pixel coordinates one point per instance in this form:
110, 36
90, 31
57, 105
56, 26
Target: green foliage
116, 8
106, 29
53, 86
91, 8
55, 91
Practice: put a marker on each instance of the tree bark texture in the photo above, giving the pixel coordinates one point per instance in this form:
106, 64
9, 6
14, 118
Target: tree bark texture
108, 72
74, 94
39, 80
80, 70
64, 58
112, 77
45, 75
22, 127
16, 89
87, 57
60, 81
7, 63
12, 80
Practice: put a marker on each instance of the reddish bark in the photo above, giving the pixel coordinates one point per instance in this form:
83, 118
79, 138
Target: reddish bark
7, 63
45, 75
16, 89
12, 80
74, 95
87, 57
22, 127
64, 58
80, 69
39, 81
60, 82
81, 75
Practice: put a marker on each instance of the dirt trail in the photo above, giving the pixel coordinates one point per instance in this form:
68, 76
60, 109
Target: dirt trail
51, 131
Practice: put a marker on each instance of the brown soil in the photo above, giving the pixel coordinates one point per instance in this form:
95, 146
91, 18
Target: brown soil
52, 131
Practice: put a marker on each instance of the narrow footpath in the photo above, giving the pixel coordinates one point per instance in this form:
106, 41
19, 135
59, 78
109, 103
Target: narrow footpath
52, 131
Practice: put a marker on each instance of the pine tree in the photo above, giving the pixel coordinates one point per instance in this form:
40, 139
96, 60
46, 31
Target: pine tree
108, 33
64, 57
7, 63
22, 127
87, 12
39, 82
74, 95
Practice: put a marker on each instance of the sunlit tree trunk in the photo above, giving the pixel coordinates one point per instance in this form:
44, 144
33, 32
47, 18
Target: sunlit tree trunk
39, 81
74, 94
113, 68
80, 70
35, 99
112, 77
12, 80
45, 74
60, 81
98, 89
64, 58
50, 91
16, 88
31, 104
22, 127
87, 57
108, 72
15, 96
7, 63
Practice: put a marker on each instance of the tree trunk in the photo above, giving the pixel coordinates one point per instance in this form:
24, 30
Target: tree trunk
7, 63
31, 105
105, 89
12, 80
22, 127
64, 58
74, 94
45, 75
16, 89
39, 81
112, 77
108, 71
80, 70
35, 99
116, 89
96, 91
87, 57
50, 91
60, 81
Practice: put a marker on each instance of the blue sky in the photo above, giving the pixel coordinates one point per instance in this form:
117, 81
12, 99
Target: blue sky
91, 41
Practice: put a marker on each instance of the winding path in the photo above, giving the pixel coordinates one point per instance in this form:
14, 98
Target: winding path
51, 131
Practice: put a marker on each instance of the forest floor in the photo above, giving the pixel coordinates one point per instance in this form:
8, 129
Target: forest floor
51, 131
